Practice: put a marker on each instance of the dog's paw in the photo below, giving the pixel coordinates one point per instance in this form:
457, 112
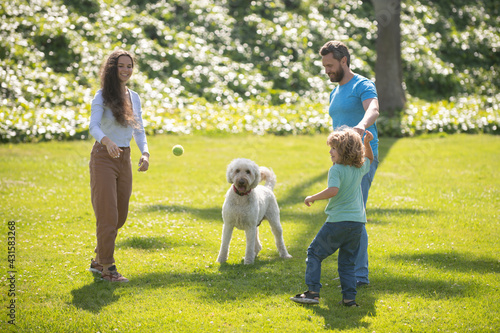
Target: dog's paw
286, 256
221, 260
248, 262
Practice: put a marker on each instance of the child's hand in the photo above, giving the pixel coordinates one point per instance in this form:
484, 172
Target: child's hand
308, 201
368, 136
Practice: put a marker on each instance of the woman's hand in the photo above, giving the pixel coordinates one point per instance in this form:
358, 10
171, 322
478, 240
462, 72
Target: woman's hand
113, 150
144, 162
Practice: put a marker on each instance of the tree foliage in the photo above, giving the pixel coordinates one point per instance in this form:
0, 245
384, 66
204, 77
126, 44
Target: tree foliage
229, 65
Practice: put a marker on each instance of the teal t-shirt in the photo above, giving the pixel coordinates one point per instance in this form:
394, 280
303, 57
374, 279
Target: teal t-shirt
346, 105
347, 205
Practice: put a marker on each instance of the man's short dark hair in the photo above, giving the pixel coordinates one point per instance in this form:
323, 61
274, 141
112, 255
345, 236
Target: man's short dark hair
338, 49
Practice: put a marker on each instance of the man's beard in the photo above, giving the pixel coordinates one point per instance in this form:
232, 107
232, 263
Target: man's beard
338, 76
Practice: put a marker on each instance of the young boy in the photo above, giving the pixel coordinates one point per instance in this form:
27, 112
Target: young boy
345, 211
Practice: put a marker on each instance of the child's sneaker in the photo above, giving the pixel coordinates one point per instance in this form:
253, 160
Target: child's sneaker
112, 275
306, 298
95, 267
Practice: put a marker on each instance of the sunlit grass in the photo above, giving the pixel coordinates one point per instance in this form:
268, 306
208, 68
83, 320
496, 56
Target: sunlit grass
434, 229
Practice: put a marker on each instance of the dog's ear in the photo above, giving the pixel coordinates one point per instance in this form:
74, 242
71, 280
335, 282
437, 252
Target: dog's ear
229, 173
256, 172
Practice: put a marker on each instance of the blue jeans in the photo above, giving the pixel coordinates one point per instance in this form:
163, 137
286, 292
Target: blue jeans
342, 236
362, 259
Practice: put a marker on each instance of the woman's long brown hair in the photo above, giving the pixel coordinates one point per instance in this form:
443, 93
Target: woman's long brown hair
112, 93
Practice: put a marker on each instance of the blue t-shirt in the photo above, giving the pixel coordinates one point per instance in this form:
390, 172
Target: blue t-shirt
347, 205
346, 105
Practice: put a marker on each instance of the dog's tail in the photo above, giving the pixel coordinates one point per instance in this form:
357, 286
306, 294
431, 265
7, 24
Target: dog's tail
268, 176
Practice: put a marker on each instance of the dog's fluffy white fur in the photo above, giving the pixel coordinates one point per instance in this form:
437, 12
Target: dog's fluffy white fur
247, 203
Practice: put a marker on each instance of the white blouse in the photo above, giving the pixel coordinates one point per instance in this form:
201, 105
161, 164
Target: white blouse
103, 123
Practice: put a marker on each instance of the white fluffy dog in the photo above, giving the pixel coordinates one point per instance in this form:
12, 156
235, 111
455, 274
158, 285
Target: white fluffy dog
247, 203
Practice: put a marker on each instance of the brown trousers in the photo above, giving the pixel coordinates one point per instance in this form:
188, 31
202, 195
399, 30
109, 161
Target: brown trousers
110, 190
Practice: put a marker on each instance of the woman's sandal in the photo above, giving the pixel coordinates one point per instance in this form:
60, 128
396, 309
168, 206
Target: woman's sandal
306, 298
350, 304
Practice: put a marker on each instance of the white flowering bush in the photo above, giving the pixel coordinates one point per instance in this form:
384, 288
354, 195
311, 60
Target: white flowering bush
235, 66
449, 117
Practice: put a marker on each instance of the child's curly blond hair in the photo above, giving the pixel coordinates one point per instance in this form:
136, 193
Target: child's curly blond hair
349, 146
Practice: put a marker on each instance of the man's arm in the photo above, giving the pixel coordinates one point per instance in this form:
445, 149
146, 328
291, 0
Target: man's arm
371, 114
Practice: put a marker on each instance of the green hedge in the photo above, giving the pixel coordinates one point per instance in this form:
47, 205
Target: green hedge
239, 66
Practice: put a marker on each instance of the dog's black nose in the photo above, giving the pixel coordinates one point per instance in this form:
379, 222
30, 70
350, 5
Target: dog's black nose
241, 182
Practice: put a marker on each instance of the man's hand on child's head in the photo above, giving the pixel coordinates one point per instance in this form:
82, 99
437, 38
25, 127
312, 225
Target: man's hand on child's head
359, 129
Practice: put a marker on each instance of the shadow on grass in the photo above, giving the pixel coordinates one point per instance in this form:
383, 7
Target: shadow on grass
294, 196
215, 213
93, 297
338, 317
382, 216
268, 279
452, 262
394, 212
297, 194
150, 243
273, 278
211, 213
419, 286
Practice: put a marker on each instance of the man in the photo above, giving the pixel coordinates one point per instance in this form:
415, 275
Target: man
353, 103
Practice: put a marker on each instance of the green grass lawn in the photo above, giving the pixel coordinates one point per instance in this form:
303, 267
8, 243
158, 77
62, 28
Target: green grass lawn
433, 226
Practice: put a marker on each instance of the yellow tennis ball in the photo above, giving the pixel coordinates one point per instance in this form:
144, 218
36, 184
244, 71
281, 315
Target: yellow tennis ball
178, 150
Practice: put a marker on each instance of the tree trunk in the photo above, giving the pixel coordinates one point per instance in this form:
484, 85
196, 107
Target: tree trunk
388, 68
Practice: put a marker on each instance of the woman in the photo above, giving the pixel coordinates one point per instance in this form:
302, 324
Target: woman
115, 117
